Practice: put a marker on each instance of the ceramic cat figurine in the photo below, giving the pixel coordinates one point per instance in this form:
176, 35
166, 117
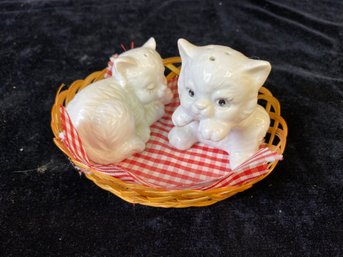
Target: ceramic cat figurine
218, 88
113, 115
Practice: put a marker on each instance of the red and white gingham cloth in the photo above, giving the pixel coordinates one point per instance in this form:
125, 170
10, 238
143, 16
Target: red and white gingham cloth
162, 166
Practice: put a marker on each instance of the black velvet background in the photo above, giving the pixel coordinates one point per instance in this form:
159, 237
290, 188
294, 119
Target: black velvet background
47, 209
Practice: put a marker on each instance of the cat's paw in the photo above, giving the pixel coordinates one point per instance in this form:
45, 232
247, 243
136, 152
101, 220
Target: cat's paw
135, 145
180, 118
181, 138
143, 132
213, 131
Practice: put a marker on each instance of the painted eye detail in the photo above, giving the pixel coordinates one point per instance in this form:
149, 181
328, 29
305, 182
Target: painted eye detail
150, 87
190, 92
222, 102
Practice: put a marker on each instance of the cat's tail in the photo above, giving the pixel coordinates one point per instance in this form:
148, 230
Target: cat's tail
105, 135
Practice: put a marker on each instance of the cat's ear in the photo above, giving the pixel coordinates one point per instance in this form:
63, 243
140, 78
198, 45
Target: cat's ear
258, 70
186, 49
151, 43
120, 67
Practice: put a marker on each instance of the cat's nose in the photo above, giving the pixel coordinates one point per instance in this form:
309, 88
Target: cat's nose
201, 104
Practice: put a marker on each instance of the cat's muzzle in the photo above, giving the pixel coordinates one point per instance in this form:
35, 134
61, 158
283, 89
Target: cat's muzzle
202, 108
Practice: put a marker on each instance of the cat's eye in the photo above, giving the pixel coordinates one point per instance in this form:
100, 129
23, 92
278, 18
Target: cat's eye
222, 102
150, 87
190, 92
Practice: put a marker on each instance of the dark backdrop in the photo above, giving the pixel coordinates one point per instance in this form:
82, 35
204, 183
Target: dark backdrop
47, 209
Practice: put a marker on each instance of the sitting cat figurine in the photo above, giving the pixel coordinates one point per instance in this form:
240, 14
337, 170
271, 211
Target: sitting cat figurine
218, 88
113, 115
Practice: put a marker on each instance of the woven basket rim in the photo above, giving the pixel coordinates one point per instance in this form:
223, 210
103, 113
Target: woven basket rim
136, 193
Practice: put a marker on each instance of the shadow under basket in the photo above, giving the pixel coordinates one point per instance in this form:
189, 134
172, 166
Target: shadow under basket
142, 194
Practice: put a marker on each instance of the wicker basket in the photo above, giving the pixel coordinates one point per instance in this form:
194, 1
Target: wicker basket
134, 193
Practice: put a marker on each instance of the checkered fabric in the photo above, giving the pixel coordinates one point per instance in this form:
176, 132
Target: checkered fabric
162, 166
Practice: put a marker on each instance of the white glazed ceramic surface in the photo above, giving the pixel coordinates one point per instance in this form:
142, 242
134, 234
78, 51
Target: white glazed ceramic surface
218, 88
113, 116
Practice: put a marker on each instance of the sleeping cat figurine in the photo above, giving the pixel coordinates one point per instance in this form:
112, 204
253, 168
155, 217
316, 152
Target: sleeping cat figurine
113, 115
218, 88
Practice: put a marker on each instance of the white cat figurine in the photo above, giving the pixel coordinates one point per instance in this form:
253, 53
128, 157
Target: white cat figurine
113, 115
218, 88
